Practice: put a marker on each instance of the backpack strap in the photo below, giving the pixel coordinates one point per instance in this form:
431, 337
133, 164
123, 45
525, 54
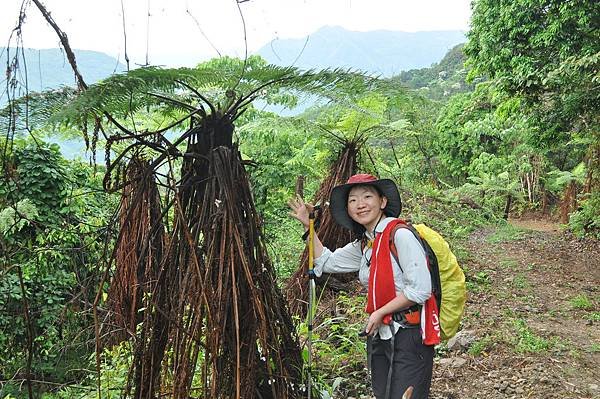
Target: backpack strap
402, 225
406, 225
432, 263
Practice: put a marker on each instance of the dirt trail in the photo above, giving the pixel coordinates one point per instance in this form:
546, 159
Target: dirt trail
534, 308
536, 225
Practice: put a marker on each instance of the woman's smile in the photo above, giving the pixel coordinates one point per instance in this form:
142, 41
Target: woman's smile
365, 205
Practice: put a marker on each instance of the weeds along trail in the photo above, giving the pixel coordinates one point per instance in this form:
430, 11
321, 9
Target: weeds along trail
533, 307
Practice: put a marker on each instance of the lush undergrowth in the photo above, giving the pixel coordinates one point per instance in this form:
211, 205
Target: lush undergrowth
492, 137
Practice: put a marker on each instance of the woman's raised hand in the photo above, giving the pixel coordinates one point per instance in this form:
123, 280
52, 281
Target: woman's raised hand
300, 210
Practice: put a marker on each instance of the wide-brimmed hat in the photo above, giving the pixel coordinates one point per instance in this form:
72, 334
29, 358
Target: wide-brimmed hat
339, 199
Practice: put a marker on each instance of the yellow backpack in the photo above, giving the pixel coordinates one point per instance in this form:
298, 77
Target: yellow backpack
447, 278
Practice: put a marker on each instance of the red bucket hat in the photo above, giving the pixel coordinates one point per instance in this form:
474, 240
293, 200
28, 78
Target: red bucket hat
339, 199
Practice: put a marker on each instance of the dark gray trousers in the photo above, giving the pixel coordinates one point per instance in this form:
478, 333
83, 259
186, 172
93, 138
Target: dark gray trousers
413, 364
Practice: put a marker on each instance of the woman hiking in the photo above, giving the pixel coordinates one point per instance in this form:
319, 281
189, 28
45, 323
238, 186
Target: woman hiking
397, 284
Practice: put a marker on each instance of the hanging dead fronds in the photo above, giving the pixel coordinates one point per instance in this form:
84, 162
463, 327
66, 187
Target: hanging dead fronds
258, 350
138, 283
330, 233
213, 319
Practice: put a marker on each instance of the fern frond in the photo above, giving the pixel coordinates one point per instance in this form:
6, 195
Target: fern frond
34, 110
227, 84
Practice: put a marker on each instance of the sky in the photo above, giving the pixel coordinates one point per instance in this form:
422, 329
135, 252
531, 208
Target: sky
183, 32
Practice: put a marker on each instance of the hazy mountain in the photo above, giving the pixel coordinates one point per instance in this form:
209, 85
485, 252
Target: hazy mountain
49, 68
381, 52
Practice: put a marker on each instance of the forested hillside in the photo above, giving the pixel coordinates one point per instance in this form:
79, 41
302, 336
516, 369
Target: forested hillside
442, 79
173, 269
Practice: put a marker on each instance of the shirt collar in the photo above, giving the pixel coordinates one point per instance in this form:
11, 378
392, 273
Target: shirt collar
380, 227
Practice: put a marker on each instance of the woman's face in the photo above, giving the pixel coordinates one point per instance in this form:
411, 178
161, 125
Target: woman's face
365, 206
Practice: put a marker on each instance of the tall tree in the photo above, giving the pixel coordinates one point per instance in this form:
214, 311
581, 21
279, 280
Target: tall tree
521, 42
548, 53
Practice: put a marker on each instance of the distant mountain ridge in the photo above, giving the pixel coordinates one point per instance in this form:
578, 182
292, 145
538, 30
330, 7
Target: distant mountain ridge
380, 52
49, 68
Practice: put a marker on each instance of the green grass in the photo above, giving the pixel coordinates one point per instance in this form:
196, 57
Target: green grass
478, 282
562, 312
462, 254
337, 346
575, 353
505, 233
508, 263
581, 302
520, 282
480, 346
532, 266
594, 348
594, 316
527, 299
526, 341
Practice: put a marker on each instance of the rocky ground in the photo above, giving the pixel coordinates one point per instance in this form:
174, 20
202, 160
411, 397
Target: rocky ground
531, 322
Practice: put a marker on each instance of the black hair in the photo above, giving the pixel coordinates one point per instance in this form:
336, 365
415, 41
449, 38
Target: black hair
358, 231
366, 185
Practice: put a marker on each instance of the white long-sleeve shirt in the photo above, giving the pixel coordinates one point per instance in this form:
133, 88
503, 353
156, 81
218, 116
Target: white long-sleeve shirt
411, 276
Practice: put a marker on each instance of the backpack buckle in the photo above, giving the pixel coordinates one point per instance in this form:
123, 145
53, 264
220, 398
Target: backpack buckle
410, 316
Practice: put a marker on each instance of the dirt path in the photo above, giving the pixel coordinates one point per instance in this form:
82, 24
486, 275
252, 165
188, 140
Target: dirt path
534, 309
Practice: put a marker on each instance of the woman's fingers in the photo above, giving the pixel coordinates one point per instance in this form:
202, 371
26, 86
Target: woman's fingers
293, 204
296, 209
300, 201
297, 204
369, 329
374, 322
